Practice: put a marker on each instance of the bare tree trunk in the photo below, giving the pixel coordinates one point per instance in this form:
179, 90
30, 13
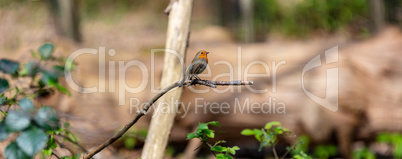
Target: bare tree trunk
378, 14
177, 37
65, 17
247, 12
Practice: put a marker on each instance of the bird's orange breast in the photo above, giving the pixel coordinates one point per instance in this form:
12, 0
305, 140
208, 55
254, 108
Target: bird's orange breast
204, 56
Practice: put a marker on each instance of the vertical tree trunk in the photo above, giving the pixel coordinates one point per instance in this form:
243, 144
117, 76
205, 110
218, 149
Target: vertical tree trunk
247, 26
377, 13
65, 18
177, 37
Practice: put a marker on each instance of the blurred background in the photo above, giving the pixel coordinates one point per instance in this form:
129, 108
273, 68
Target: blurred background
367, 33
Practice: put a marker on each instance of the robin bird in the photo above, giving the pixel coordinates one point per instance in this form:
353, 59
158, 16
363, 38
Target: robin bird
198, 65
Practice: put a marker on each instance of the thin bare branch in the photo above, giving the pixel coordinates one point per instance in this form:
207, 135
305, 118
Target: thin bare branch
153, 100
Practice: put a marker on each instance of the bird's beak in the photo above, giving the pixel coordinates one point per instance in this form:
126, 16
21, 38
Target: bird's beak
207, 53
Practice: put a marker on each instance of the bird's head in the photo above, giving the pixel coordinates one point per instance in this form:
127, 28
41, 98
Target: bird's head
202, 54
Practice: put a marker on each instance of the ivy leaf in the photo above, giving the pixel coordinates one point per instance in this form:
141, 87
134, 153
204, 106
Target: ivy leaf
270, 124
49, 79
47, 118
263, 144
3, 132
247, 132
9, 66
30, 69
51, 143
3, 85
214, 123
3, 99
14, 152
46, 51
202, 126
220, 156
233, 150
217, 148
191, 136
63, 89
209, 133
32, 140
17, 121
47, 152
57, 71
26, 105
257, 134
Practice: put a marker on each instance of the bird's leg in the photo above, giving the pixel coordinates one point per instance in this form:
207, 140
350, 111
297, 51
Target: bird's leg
198, 78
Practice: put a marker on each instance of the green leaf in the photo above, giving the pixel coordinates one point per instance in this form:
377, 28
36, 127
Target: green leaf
26, 105
72, 157
129, 143
270, 124
209, 133
14, 152
3, 99
17, 121
191, 136
47, 152
263, 144
384, 138
257, 134
398, 149
228, 156
278, 130
51, 143
3, 132
47, 118
30, 69
202, 126
247, 132
57, 71
32, 140
63, 89
220, 156
214, 123
34, 54
46, 51
9, 66
235, 148
3, 85
49, 79
217, 148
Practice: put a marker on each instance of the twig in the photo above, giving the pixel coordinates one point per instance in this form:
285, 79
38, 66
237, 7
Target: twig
153, 100
55, 155
65, 147
293, 147
273, 149
75, 143
214, 83
210, 147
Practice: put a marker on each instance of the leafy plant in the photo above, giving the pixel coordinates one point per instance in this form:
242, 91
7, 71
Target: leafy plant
268, 137
363, 153
204, 134
132, 137
38, 129
325, 151
304, 17
395, 140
